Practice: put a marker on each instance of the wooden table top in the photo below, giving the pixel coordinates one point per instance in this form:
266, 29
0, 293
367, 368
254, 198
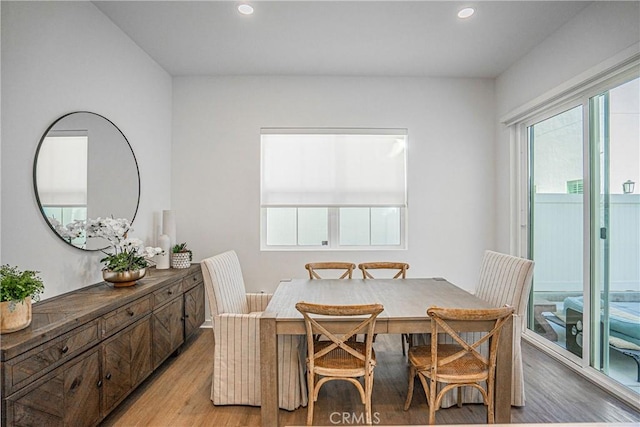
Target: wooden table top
403, 299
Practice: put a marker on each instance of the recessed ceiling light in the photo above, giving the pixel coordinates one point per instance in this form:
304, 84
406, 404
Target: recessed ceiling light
466, 12
245, 9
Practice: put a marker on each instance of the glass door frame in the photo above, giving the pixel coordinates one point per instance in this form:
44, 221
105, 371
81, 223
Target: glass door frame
526, 245
523, 225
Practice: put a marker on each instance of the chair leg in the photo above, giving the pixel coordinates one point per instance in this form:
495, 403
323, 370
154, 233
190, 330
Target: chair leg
433, 385
459, 397
489, 399
312, 397
412, 376
404, 353
368, 392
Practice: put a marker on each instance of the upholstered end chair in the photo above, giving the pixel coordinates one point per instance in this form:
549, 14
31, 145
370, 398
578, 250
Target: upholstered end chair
236, 328
504, 280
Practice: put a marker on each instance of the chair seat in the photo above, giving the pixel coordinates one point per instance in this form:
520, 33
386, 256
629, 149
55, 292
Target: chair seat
472, 368
339, 359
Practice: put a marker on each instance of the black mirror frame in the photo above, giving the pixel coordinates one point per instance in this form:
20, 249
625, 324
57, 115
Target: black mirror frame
35, 182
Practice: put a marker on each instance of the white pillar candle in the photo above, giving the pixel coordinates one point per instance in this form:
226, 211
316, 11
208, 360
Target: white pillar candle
169, 226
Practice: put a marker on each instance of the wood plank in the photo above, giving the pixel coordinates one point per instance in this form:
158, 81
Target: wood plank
269, 371
503, 375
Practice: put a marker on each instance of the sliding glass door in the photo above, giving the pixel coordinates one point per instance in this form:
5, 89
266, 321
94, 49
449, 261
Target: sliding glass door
584, 233
615, 232
557, 210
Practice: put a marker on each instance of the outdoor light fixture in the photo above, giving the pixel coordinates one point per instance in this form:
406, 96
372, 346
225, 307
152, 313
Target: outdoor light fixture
245, 9
628, 187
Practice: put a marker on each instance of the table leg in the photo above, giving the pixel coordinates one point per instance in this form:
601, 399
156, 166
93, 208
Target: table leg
504, 364
269, 370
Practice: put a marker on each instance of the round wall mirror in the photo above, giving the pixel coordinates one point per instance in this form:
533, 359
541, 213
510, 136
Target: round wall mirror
84, 168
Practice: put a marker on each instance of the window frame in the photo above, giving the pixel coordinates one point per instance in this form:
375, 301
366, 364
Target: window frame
333, 216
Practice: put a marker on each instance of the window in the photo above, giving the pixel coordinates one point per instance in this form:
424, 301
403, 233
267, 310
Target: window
333, 189
62, 177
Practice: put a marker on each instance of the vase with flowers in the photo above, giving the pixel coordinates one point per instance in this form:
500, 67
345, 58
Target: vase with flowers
128, 259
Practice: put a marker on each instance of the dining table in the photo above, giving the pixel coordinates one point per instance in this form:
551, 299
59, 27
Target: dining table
405, 304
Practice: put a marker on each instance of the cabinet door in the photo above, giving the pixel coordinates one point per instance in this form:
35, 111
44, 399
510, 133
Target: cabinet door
69, 396
82, 392
168, 330
193, 310
126, 362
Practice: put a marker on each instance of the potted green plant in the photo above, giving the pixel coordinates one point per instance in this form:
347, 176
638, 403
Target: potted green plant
181, 256
17, 290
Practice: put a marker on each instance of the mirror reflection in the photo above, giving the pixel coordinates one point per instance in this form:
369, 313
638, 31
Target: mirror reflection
85, 168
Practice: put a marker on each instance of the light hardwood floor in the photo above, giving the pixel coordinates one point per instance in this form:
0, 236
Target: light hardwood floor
177, 394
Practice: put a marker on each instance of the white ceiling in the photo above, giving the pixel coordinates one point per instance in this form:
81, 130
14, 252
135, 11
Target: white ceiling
370, 38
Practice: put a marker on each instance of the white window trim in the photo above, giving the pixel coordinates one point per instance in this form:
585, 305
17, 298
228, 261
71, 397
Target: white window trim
625, 61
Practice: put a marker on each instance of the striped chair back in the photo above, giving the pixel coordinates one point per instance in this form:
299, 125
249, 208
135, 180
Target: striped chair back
505, 279
224, 284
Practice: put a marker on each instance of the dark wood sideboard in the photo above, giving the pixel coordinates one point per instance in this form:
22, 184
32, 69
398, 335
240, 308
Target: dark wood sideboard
86, 350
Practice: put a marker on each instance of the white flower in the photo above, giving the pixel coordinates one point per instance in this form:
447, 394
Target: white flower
115, 231
150, 252
112, 229
69, 232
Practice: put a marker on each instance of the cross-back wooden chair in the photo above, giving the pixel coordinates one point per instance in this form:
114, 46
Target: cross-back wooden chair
400, 269
345, 267
339, 357
459, 364
366, 268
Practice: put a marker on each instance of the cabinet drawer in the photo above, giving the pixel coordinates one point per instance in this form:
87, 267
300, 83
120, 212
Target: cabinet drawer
167, 293
126, 315
191, 281
26, 368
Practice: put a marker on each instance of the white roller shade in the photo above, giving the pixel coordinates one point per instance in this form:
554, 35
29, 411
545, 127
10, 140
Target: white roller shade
62, 171
333, 167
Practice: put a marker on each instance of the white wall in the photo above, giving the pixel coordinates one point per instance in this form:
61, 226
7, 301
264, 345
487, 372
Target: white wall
599, 32
59, 57
216, 163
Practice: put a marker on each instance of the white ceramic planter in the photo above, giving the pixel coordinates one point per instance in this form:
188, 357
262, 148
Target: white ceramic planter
180, 260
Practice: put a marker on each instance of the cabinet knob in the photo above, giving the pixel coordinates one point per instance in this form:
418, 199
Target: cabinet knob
65, 349
99, 383
108, 376
130, 312
186, 316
